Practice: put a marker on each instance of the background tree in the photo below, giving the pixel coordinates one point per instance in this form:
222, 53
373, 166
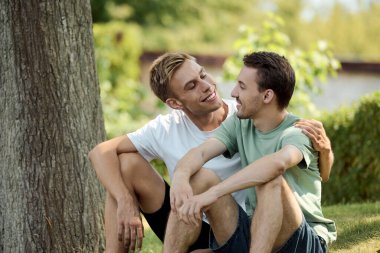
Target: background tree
51, 116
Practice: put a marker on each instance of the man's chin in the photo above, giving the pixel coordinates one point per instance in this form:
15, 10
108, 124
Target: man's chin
241, 116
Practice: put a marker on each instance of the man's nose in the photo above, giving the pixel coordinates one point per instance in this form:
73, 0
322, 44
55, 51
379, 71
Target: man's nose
234, 93
205, 85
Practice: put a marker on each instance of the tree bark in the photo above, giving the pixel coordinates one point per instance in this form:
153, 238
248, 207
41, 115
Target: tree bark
50, 116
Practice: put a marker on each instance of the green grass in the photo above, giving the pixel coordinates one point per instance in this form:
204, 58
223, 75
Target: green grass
358, 229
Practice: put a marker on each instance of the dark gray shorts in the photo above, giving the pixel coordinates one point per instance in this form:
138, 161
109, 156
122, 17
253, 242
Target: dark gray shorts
304, 239
240, 239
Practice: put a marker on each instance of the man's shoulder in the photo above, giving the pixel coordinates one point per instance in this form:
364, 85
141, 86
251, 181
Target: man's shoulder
172, 117
292, 132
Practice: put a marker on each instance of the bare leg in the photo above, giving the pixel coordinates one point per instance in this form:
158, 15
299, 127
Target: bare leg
276, 217
179, 236
144, 184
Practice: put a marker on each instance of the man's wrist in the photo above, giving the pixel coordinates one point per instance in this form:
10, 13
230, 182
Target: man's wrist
215, 191
124, 198
180, 176
326, 151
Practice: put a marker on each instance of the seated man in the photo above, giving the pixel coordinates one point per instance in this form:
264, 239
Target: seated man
280, 169
122, 163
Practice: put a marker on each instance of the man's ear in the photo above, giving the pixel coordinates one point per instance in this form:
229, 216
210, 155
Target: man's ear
268, 96
174, 103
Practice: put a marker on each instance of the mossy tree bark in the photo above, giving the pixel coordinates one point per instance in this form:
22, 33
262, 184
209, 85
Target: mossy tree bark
50, 116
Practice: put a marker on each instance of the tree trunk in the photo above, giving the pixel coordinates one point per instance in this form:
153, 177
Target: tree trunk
50, 116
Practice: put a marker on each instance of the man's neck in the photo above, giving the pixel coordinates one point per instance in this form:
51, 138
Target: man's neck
210, 121
269, 120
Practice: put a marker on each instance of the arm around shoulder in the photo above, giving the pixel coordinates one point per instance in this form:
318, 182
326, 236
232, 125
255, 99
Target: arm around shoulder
326, 161
316, 132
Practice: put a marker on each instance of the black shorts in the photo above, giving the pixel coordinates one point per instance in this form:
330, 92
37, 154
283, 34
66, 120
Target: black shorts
158, 220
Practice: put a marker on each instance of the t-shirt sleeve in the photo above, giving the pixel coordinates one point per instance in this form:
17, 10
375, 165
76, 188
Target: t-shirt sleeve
146, 140
226, 133
294, 136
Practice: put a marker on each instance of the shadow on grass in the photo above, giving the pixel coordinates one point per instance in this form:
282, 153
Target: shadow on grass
357, 233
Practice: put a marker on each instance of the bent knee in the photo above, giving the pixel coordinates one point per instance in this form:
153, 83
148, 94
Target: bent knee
203, 180
275, 185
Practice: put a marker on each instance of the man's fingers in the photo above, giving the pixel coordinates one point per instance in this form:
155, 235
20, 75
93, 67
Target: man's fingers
310, 132
178, 203
198, 215
140, 236
183, 214
133, 238
193, 215
127, 239
120, 232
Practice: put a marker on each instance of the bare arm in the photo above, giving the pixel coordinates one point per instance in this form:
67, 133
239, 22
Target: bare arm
259, 172
105, 161
315, 131
197, 157
188, 166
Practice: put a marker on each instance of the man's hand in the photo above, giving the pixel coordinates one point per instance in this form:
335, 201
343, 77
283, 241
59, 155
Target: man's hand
191, 210
180, 191
317, 134
130, 228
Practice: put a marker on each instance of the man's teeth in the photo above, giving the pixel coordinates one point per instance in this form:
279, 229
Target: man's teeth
212, 96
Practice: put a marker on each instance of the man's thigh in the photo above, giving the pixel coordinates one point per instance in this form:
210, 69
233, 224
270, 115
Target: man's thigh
305, 240
158, 221
143, 181
240, 239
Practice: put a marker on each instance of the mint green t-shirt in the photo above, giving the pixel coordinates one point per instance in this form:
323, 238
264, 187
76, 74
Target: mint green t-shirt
240, 135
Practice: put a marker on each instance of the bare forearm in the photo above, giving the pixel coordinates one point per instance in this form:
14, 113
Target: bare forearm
260, 172
197, 157
326, 161
189, 164
107, 167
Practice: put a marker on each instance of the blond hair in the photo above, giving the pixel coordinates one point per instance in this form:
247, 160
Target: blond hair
162, 71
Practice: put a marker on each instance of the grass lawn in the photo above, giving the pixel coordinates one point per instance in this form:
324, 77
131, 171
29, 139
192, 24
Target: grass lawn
358, 229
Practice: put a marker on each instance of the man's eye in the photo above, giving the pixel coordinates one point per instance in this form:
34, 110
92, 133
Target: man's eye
203, 75
191, 86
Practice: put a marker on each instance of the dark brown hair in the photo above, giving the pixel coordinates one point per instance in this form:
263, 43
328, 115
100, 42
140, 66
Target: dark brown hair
274, 72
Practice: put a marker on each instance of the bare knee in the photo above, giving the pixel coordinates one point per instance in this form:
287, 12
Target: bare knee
203, 180
272, 187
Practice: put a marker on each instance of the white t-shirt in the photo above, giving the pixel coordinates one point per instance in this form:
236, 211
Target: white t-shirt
169, 137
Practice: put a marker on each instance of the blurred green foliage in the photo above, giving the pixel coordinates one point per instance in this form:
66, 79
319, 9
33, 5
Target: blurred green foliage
317, 62
118, 50
198, 26
355, 34
355, 134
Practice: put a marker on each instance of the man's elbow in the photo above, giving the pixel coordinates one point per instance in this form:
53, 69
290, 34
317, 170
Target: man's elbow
325, 178
281, 167
95, 152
